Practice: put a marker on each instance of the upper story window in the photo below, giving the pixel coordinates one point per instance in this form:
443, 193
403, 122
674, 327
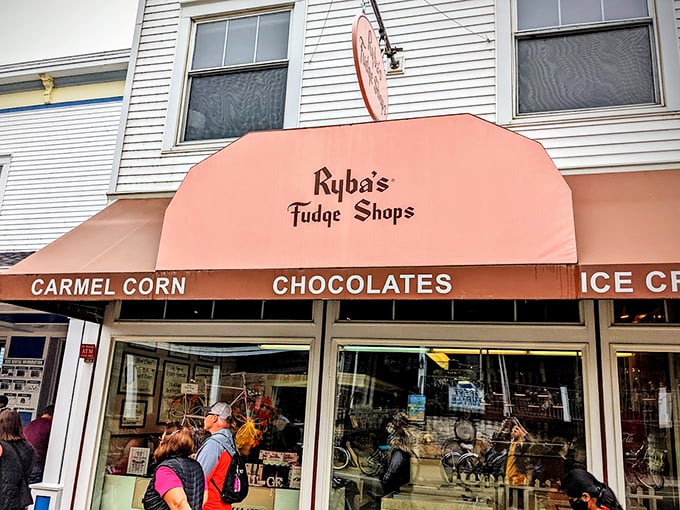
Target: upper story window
237, 68
579, 54
237, 76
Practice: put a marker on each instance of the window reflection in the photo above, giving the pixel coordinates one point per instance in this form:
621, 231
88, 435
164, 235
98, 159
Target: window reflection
495, 423
153, 383
648, 388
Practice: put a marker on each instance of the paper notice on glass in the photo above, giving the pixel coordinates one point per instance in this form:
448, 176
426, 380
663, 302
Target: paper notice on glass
565, 404
664, 410
138, 461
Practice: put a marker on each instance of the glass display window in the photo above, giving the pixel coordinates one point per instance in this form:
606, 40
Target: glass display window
156, 383
419, 427
649, 403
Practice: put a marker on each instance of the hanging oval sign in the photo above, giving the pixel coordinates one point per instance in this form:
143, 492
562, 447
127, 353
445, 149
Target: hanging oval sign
370, 68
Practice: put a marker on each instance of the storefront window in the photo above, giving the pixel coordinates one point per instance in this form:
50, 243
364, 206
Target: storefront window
422, 427
648, 386
152, 384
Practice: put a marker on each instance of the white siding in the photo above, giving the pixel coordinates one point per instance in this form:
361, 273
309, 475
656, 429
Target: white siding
142, 166
60, 169
450, 52
449, 64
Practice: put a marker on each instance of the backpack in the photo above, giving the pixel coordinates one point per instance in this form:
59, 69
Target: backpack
235, 486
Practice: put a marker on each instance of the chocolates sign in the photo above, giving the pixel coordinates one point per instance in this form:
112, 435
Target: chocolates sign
364, 193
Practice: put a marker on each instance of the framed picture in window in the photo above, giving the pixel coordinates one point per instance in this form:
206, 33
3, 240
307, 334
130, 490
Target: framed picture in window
138, 374
133, 414
203, 375
174, 375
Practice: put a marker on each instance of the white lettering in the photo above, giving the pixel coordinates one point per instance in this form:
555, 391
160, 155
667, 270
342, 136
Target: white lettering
162, 285
353, 284
130, 286
424, 284
65, 287
82, 287
675, 280
294, 284
36, 287
594, 285
584, 282
97, 286
278, 290
51, 288
391, 285
178, 285
145, 286
622, 278
331, 288
650, 283
443, 283
370, 289
359, 288
407, 281
320, 288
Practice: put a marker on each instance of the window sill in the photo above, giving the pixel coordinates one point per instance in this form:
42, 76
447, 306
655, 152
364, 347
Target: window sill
195, 147
600, 114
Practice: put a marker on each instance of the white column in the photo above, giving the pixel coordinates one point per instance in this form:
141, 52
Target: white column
69, 417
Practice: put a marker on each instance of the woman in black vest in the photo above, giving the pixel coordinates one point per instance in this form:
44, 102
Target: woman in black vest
178, 482
16, 462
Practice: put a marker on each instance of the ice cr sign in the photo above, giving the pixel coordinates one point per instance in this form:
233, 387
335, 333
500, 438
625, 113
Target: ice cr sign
370, 68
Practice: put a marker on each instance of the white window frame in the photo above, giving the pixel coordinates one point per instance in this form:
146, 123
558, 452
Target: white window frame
667, 56
195, 10
625, 337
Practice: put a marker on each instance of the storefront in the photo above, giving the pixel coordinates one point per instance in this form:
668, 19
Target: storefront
326, 280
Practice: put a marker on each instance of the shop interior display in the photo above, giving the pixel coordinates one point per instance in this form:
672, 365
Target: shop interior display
463, 410
153, 384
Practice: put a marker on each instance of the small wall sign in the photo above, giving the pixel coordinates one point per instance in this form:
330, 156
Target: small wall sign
88, 352
370, 68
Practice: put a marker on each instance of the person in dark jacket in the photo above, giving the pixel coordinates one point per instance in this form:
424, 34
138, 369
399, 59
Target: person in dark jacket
178, 482
398, 470
585, 492
16, 462
38, 434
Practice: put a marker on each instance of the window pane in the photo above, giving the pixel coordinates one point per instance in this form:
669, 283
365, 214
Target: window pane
473, 310
445, 414
209, 45
640, 311
625, 9
149, 388
241, 41
230, 105
649, 400
587, 70
580, 11
272, 39
536, 14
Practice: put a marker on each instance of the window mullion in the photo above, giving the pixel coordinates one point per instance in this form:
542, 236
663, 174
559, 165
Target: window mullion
559, 13
224, 48
257, 38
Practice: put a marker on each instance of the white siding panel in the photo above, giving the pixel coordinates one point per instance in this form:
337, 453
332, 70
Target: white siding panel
443, 43
59, 172
631, 142
449, 48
